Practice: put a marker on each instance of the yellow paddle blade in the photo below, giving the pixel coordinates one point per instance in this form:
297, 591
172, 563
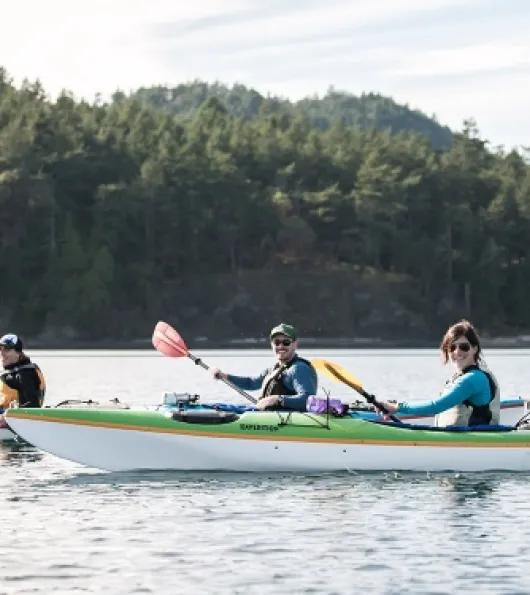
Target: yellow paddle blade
336, 372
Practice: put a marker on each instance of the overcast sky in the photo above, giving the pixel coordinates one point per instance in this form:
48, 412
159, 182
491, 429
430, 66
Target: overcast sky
453, 58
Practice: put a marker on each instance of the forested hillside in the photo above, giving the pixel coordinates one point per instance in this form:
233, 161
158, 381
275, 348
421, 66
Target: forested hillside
367, 111
229, 219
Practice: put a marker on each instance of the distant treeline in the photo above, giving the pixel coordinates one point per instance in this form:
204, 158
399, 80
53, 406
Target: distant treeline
105, 208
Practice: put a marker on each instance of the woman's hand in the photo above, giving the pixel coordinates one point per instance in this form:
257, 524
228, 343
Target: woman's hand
390, 406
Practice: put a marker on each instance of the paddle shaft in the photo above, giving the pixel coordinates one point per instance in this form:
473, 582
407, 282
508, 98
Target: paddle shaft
198, 361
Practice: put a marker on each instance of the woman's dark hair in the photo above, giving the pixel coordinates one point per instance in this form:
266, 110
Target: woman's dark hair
461, 329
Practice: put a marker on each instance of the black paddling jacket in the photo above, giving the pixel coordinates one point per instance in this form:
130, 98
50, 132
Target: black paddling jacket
22, 383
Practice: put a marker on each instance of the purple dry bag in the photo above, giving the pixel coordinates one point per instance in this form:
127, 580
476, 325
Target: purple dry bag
322, 405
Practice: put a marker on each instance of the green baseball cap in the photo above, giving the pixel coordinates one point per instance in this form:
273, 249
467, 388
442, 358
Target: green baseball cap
284, 329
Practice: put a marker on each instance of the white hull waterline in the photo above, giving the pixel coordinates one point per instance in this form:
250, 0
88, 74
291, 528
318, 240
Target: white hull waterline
114, 445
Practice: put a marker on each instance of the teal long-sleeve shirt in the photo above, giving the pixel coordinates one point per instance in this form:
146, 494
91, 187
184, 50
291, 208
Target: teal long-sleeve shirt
299, 378
473, 386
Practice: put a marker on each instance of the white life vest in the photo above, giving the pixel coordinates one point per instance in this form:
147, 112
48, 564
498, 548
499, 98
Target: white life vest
466, 414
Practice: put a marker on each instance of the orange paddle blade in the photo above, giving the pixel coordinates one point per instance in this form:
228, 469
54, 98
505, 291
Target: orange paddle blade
336, 372
168, 341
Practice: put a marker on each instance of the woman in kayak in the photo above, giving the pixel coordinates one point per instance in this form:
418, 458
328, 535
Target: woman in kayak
471, 397
289, 383
21, 381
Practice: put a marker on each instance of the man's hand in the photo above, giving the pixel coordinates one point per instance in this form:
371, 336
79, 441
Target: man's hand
217, 373
267, 402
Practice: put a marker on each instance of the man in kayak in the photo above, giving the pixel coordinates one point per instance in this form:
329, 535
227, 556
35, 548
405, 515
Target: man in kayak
289, 383
21, 381
471, 397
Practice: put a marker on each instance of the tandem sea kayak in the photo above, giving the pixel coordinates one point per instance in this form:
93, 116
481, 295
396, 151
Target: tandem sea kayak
212, 439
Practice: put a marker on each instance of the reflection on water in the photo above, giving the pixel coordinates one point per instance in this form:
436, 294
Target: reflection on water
17, 452
467, 489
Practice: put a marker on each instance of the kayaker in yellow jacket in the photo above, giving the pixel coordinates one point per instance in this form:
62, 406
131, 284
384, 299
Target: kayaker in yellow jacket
21, 380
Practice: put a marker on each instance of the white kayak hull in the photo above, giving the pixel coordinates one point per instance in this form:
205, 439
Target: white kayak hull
298, 443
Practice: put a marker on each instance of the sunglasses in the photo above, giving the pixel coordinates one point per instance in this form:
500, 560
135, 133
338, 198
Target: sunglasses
465, 347
284, 342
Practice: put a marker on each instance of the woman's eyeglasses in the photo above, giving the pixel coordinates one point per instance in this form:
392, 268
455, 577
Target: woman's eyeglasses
284, 342
465, 347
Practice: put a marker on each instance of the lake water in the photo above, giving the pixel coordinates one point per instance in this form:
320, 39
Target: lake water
70, 529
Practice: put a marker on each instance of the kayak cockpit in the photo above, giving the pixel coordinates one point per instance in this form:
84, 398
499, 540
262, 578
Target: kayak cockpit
204, 416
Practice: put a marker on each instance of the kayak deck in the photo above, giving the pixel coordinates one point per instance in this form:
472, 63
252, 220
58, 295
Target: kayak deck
278, 425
